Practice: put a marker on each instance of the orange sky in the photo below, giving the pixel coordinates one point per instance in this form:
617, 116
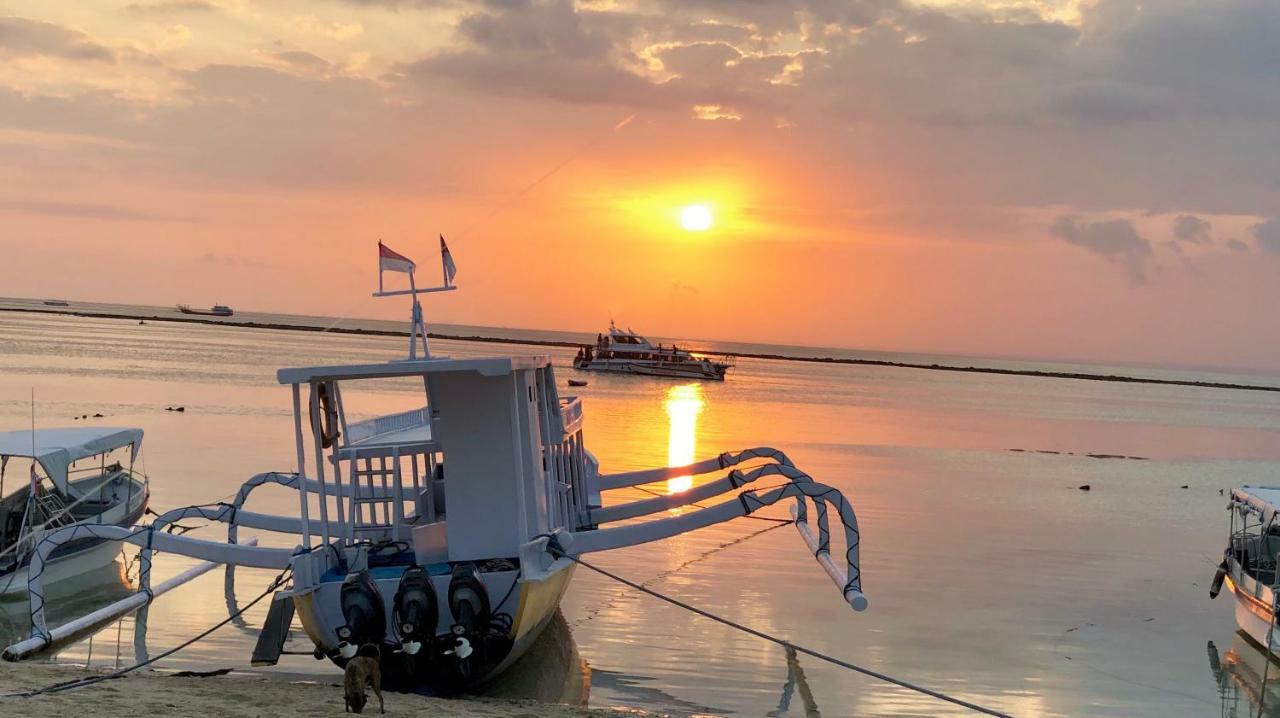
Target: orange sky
1077, 180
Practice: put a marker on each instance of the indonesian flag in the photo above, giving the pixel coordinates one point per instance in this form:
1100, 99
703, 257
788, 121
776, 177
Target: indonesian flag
391, 261
450, 269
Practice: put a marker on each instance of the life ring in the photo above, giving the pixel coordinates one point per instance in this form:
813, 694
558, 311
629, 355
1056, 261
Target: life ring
328, 418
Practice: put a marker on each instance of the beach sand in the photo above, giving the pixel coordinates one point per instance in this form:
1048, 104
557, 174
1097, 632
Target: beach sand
236, 696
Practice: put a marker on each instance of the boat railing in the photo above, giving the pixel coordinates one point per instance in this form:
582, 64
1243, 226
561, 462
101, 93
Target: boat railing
362, 431
571, 413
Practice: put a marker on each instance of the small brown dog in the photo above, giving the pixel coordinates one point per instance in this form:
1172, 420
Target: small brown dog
363, 670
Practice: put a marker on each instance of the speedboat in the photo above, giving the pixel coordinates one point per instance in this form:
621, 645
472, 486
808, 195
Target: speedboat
76, 478
625, 352
446, 534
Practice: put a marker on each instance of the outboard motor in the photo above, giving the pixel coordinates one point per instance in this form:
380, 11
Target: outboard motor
362, 609
469, 604
416, 610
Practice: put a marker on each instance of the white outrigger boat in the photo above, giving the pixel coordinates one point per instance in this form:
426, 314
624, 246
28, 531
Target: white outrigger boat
625, 352
447, 534
59, 495
1248, 565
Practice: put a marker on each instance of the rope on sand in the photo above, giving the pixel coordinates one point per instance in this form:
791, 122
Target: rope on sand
556, 550
90, 680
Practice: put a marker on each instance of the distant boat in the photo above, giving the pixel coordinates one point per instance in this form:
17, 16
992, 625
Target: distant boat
625, 352
218, 310
577, 382
56, 303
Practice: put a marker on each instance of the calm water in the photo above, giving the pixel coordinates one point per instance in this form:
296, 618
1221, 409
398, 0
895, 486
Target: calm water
990, 575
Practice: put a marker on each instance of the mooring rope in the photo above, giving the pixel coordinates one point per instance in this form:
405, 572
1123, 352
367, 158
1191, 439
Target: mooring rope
556, 550
90, 680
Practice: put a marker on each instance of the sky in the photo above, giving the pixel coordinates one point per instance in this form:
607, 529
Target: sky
1069, 179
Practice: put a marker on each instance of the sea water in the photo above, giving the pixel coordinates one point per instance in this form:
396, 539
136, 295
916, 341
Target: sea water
991, 576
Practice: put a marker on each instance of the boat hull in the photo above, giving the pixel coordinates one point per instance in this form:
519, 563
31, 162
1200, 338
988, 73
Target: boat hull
1253, 612
93, 555
532, 606
83, 555
637, 368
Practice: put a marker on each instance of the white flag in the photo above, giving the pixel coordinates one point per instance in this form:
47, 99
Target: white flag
450, 269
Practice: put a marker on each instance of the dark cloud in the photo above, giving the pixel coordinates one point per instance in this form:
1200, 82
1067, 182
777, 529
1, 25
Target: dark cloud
1268, 234
20, 36
1114, 239
775, 17
1190, 228
553, 28
1237, 246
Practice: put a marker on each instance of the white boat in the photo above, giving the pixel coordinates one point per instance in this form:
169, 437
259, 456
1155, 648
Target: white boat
60, 494
1248, 567
625, 352
447, 534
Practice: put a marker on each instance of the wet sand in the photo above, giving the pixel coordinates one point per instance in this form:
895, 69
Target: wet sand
236, 696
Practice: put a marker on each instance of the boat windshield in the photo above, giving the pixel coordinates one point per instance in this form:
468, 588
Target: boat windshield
1255, 546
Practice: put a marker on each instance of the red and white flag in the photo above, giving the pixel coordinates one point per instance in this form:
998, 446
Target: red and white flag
450, 269
390, 260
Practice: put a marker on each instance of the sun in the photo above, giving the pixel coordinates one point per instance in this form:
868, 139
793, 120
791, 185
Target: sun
695, 218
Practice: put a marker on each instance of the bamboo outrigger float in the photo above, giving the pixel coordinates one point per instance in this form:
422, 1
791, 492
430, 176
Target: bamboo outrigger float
446, 534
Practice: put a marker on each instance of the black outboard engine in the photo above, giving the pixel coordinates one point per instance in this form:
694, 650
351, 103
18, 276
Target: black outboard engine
364, 613
416, 610
469, 604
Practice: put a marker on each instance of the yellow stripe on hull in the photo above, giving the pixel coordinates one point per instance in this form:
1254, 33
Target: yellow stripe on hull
539, 599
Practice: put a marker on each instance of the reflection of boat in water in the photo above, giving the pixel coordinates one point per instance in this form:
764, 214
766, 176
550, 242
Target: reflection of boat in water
87, 592
625, 352
59, 495
218, 310
1238, 671
1248, 567
551, 671
448, 533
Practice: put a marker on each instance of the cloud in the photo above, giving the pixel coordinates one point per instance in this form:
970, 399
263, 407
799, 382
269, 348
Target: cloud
1192, 229
1237, 246
22, 37
89, 211
302, 60
1268, 234
1115, 239
228, 260
164, 7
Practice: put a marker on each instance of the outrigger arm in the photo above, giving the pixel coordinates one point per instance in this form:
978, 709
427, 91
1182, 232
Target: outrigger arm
846, 575
148, 538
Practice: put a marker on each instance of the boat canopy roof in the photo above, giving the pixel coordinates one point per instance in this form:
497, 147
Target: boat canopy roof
56, 449
486, 366
1262, 500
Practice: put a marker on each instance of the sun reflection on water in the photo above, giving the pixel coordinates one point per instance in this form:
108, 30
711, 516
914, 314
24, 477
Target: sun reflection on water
684, 403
